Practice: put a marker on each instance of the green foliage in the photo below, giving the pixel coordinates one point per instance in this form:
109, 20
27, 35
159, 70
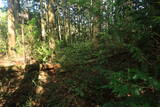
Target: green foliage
132, 102
3, 25
81, 56
75, 88
128, 30
137, 54
3, 31
80, 2
32, 31
28, 103
42, 52
131, 82
120, 69
76, 55
156, 19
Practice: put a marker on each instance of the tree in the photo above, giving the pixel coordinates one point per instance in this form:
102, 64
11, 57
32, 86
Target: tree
11, 28
43, 20
51, 23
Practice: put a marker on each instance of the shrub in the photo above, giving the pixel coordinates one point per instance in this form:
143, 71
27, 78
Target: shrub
76, 56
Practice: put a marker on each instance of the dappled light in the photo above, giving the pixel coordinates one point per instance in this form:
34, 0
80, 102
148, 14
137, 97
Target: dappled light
79, 53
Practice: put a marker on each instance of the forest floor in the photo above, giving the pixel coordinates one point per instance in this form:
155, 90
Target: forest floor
35, 85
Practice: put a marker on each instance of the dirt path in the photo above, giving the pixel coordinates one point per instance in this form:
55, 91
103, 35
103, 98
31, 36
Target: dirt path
7, 61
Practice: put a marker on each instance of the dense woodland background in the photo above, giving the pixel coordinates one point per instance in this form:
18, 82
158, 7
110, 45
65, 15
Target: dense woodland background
107, 53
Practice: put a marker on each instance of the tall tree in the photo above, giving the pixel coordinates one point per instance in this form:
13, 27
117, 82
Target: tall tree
51, 23
43, 19
11, 28
51, 14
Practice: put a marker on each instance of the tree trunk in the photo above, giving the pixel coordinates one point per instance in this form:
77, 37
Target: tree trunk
51, 15
96, 24
11, 29
59, 29
51, 24
43, 21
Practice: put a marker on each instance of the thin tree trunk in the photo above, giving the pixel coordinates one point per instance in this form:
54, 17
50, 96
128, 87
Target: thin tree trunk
97, 25
69, 28
23, 40
43, 22
59, 30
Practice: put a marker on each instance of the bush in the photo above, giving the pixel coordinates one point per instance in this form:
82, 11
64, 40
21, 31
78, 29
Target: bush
75, 57
42, 52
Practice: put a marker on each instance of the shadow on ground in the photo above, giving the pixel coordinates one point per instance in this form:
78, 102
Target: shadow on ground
36, 88
20, 86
